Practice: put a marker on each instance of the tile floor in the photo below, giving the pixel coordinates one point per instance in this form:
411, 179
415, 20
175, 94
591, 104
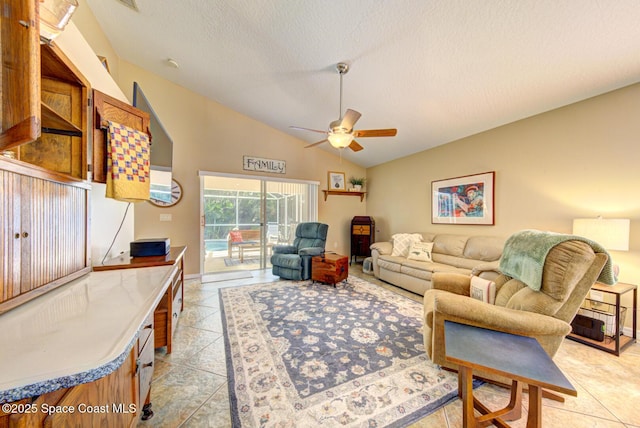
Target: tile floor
190, 386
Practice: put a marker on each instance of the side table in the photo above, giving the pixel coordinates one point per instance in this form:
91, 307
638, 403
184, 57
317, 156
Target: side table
619, 342
329, 268
519, 358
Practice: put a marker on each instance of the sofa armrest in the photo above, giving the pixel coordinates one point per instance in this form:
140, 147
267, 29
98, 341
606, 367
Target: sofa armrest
379, 249
284, 249
456, 283
383, 248
311, 251
487, 270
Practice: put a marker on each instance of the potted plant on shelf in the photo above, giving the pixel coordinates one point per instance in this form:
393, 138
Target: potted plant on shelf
357, 183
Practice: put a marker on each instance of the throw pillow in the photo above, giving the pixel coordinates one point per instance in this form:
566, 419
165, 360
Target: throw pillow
420, 251
402, 242
236, 236
483, 290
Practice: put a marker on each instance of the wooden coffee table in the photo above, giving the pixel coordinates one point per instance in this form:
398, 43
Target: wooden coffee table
329, 268
516, 357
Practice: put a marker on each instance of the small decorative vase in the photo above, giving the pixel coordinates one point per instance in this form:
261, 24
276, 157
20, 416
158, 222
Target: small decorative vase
357, 188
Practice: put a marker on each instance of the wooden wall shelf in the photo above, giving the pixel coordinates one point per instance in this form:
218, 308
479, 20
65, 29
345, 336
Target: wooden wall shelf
341, 192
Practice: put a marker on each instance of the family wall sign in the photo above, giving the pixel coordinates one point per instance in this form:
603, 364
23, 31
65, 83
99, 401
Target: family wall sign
250, 163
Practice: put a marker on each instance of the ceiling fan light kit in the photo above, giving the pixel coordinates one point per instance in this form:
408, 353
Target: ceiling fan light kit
340, 140
341, 134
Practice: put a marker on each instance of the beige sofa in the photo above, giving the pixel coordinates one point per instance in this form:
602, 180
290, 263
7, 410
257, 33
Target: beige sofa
466, 254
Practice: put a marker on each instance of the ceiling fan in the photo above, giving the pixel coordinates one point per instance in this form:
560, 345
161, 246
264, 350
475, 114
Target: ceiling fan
341, 133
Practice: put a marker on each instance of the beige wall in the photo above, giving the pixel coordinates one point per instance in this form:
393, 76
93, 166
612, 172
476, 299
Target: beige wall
579, 161
210, 137
88, 25
107, 215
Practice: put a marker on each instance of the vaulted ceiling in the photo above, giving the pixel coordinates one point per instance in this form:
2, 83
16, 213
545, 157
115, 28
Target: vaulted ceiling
437, 70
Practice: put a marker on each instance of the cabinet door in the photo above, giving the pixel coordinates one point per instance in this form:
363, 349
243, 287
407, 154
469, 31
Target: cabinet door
53, 232
61, 150
10, 235
45, 232
20, 73
109, 108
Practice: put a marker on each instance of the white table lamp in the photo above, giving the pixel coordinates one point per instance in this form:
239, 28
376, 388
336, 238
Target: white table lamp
612, 234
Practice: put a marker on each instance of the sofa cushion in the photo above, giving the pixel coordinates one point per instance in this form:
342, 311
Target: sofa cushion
416, 268
485, 248
391, 263
448, 244
425, 270
425, 274
428, 236
402, 242
459, 262
507, 289
527, 299
420, 251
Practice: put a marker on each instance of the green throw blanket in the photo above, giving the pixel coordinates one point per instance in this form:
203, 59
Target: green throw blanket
525, 252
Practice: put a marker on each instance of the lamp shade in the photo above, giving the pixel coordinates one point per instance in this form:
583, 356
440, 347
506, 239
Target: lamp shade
612, 234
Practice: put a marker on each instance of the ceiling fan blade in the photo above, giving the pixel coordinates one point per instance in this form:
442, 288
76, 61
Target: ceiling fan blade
316, 144
350, 118
308, 129
355, 146
391, 132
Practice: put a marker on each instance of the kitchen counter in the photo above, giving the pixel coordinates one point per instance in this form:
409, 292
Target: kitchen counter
77, 333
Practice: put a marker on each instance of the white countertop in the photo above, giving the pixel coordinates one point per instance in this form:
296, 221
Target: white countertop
78, 332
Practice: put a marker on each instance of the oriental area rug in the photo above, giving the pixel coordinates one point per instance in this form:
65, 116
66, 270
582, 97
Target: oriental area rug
303, 354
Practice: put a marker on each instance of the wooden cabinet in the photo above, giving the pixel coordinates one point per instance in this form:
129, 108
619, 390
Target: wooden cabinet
44, 235
168, 311
45, 102
362, 236
111, 401
64, 140
329, 268
44, 202
107, 108
145, 364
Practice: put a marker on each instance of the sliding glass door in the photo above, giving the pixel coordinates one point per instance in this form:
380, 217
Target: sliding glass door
243, 217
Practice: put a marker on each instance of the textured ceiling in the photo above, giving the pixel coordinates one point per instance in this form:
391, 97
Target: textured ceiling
437, 70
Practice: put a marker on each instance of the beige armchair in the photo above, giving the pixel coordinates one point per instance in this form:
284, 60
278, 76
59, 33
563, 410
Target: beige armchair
570, 269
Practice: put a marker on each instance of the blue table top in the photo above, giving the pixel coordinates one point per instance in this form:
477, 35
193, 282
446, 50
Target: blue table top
516, 357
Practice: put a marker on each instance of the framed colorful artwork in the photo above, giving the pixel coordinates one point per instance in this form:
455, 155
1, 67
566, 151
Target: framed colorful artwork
464, 200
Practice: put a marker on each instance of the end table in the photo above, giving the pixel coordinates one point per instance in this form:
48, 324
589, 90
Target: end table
329, 268
619, 342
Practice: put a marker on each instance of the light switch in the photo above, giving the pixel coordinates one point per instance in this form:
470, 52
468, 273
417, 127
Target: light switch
165, 217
